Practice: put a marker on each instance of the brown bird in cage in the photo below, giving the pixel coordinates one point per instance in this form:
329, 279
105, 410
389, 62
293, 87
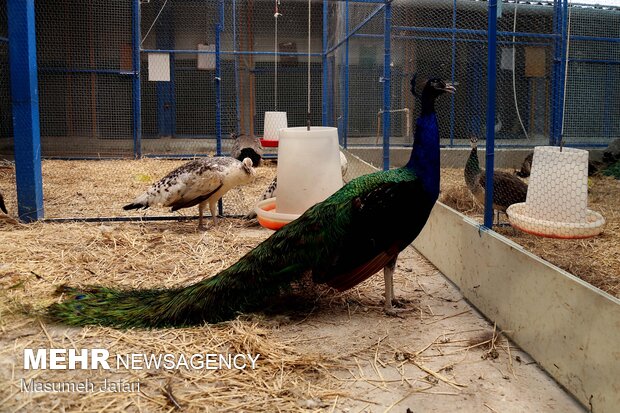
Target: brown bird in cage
2, 206
507, 188
247, 146
526, 166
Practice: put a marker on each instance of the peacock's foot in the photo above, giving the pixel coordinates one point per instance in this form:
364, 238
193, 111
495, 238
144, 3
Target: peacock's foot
394, 312
202, 227
400, 302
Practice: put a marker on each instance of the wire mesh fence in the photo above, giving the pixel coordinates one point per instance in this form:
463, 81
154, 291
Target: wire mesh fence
175, 79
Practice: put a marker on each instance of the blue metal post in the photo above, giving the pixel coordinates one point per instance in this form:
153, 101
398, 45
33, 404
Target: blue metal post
218, 89
562, 78
218, 80
387, 31
25, 100
490, 142
559, 56
135, 79
345, 108
453, 72
235, 41
166, 102
325, 90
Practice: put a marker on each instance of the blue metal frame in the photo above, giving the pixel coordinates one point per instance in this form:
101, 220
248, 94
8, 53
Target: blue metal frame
166, 97
449, 39
453, 72
25, 101
325, 89
345, 108
387, 32
219, 27
560, 28
135, 81
225, 52
237, 94
358, 27
490, 142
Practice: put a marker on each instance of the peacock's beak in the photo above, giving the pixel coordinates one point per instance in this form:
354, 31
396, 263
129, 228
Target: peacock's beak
449, 88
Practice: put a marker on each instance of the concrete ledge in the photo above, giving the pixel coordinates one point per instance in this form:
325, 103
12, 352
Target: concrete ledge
569, 327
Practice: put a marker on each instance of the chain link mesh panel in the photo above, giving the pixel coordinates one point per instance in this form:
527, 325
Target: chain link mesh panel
592, 102
7, 171
84, 63
87, 95
6, 123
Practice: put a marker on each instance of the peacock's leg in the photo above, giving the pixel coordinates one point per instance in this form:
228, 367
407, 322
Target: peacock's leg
213, 209
201, 210
388, 276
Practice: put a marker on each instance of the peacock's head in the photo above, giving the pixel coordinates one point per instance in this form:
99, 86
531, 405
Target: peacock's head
433, 88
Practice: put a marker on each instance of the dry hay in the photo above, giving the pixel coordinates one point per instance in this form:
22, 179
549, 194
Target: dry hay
294, 372
39, 257
101, 188
81, 189
595, 260
328, 352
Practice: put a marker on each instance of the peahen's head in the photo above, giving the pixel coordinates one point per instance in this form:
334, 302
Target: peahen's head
433, 88
473, 141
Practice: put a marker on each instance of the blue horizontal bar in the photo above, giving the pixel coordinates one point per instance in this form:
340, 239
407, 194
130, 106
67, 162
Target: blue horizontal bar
130, 219
596, 39
353, 146
284, 69
4, 39
98, 71
605, 62
238, 52
184, 136
460, 40
483, 33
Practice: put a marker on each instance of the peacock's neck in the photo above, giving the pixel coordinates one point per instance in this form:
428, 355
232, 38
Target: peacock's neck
424, 160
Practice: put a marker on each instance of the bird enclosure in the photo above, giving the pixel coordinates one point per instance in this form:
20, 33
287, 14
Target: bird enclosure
174, 80
100, 100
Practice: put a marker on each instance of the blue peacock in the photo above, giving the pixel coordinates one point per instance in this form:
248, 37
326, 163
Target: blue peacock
341, 241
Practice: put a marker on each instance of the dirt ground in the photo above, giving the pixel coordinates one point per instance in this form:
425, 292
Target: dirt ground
322, 352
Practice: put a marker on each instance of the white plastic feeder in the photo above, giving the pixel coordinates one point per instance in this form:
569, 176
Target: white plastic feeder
308, 172
274, 122
557, 197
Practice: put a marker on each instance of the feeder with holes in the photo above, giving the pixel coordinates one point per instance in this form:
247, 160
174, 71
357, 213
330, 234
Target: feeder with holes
557, 198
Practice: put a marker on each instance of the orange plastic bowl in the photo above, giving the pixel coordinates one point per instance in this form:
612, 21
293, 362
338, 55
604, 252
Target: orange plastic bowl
269, 218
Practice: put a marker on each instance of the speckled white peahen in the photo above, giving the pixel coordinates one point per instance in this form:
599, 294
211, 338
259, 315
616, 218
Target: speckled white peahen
198, 182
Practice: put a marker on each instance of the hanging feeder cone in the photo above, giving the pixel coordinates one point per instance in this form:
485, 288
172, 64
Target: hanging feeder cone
274, 122
557, 198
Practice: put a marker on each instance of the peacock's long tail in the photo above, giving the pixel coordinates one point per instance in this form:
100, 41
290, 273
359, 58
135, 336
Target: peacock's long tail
234, 290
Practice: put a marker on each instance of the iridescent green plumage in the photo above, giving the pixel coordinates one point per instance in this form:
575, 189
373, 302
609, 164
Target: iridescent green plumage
341, 241
316, 241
